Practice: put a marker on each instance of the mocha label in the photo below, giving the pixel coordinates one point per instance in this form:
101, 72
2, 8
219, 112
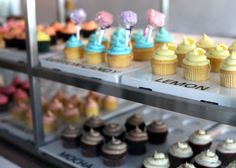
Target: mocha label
182, 84
85, 66
75, 160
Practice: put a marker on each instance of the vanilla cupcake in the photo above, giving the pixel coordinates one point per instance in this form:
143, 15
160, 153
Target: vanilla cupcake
186, 165
217, 56
158, 160
196, 65
183, 48
207, 159
164, 61
228, 71
206, 43
232, 164
73, 49
109, 103
232, 47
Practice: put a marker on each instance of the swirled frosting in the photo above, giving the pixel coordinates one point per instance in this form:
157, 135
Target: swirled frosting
196, 57
186, 165
49, 118
120, 31
93, 46
94, 36
220, 51
137, 135
113, 129
92, 137
70, 131
181, 150
158, 160
227, 146
94, 122
232, 46
137, 35
207, 159
114, 147
71, 110
157, 127
73, 42
200, 137
56, 106
41, 36
230, 62
164, 53
135, 119
163, 36
232, 164
186, 46
205, 42
142, 42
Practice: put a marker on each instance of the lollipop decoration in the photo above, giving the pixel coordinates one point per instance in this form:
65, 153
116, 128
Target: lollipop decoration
104, 20
78, 16
128, 20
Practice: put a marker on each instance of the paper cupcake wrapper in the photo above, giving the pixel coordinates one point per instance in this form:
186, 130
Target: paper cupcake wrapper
180, 59
196, 73
163, 67
73, 53
94, 58
228, 79
119, 61
143, 54
215, 64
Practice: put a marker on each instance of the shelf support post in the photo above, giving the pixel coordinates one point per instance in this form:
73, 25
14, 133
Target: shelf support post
61, 12
165, 4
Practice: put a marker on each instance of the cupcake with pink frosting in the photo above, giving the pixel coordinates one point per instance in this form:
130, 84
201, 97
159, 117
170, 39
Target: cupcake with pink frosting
25, 85
71, 114
4, 103
9, 91
20, 96
16, 81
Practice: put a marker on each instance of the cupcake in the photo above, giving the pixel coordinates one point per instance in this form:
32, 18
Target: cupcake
43, 42
21, 96
61, 96
136, 36
133, 121
217, 56
200, 141
162, 37
4, 103
71, 114
113, 130
94, 52
44, 104
16, 82
186, 165
76, 101
19, 111
20, 41
70, 137
109, 103
95, 123
95, 96
228, 71
157, 132
52, 33
68, 31
136, 140
105, 41
49, 122
232, 47
196, 66
40, 27
179, 153
183, 48
207, 159
73, 49
91, 143
143, 49
88, 28
158, 160
206, 43
91, 108
25, 85
114, 153
56, 107
10, 39
226, 150
232, 164
164, 61
9, 91
57, 27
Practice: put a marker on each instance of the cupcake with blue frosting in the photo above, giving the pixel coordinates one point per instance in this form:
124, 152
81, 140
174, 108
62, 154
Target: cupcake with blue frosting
105, 41
73, 49
136, 35
162, 37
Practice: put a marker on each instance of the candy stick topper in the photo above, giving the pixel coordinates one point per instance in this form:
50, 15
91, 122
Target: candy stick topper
104, 20
78, 16
155, 19
128, 20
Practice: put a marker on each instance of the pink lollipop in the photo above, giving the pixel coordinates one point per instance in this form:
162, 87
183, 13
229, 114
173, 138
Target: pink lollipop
78, 16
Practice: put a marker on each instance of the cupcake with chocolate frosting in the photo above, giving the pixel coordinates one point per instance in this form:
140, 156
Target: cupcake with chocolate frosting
186, 165
200, 141
113, 130
157, 132
95, 122
179, 153
70, 136
158, 160
232, 164
114, 153
91, 143
207, 159
133, 121
136, 140
226, 150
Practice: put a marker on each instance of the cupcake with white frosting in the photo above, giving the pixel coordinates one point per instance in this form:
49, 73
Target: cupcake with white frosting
207, 159
179, 153
232, 164
226, 150
200, 141
158, 160
186, 165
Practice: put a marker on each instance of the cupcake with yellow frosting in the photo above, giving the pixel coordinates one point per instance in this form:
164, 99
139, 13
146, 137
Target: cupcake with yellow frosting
206, 43
164, 61
183, 48
232, 47
217, 56
73, 49
43, 42
228, 71
196, 65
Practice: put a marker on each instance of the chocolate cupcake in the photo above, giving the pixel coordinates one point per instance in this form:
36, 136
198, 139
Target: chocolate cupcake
226, 150
4, 103
114, 153
91, 143
207, 159
186, 165
157, 132
70, 137
232, 164
95, 123
200, 141
158, 160
113, 130
179, 153
136, 140
133, 121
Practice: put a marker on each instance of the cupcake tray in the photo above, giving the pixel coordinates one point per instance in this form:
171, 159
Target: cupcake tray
208, 91
13, 55
180, 127
100, 71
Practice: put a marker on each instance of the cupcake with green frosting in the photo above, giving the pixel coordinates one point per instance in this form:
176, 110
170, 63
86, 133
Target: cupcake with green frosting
162, 36
206, 43
232, 47
43, 42
73, 49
